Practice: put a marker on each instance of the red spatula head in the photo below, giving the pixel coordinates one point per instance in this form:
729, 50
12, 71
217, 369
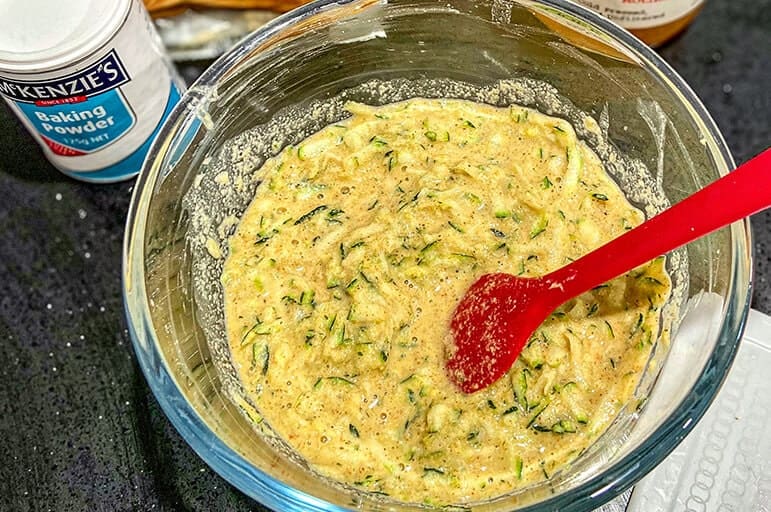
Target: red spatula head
491, 325
495, 319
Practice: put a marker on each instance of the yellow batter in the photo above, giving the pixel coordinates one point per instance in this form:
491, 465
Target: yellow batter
345, 270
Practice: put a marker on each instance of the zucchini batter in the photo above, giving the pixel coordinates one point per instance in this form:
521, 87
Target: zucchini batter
344, 272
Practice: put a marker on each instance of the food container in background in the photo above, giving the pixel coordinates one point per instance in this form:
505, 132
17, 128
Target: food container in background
89, 79
161, 8
205, 29
653, 21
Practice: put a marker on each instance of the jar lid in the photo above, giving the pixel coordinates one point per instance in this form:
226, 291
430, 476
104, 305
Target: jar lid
43, 35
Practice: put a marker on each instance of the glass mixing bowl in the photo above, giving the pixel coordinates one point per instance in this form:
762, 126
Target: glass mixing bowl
279, 82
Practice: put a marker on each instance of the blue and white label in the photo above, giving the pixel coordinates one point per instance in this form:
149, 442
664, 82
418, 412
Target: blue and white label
84, 127
133, 161
79, 113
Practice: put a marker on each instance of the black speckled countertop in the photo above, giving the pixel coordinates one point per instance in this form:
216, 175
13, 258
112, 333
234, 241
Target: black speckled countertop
79, 428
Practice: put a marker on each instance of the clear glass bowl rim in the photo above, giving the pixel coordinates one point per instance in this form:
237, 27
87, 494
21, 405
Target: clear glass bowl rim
273, 493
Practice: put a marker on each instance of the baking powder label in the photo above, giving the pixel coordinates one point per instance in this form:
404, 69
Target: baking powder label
96, 109
642, 13
79, 113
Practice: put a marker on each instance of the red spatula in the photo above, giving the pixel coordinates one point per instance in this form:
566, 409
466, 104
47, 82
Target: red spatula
499, 313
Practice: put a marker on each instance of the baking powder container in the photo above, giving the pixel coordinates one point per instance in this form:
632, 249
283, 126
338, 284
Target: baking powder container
90, 81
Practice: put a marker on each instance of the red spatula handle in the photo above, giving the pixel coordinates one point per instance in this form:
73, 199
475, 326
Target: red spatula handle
739, 194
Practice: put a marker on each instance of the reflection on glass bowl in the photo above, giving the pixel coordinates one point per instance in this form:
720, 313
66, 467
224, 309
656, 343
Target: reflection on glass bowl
311, 57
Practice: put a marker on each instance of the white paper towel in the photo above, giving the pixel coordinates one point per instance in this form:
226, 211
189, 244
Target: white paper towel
724, 465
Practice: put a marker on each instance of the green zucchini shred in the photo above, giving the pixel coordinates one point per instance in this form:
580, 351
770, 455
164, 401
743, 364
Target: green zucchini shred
261, 357
331, 322
510, 410
455, 227
538, 410
307, 298
429, 246
377, 141
333, 379
564, 427
539, 226
519, 384
310, 214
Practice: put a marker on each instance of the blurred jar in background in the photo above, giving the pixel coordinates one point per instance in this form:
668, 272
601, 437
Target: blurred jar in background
653, 21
